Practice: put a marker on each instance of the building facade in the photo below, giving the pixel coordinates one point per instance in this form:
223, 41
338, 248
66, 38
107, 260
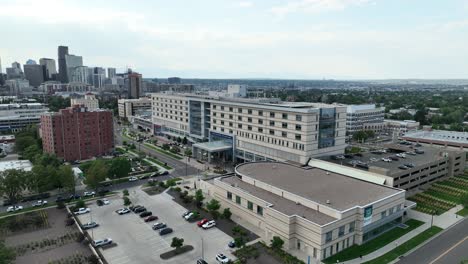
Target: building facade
400, 127
79, 74
364, 117
62, 64
310, 209
34, 73
134, 84
77, 134
132, 107
18, 86
15, 117
50, 70
111, 73
251, 129
89, 101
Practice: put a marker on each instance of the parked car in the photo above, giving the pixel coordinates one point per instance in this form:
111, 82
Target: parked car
202, 222
201, 261
74, 197
185, 214
164, 172
89, 193
106, 201
386, 159
139, 210
221, 258
133, 207
102, 242
14, 208
146, 213
103, 192
132, 179
188, 216
90, 225
158, 226
232, 244
373, 159
409, 165
59, 199
418, 151
7, 203
165, 231
209, 224
123, 211
82, 211
151, 218
402, 167
39, 203
394, 158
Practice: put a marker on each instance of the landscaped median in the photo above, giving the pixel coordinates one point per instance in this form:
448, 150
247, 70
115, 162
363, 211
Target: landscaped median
463, 212
361, 250
406, 247
162, 151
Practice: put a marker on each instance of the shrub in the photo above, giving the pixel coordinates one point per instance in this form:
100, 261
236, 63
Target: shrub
60, 205
227, 213
276, 243
188, 199
125, 192
80, 238
162, 185
79, 204
126, 201
183, 194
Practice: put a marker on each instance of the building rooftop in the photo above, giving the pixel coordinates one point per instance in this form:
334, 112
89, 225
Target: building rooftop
317, 185
374, 159
279, 203
401, 122
354, 108
25, 165
441, 135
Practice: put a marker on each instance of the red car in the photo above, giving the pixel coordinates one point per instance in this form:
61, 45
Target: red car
151, 218
202, 222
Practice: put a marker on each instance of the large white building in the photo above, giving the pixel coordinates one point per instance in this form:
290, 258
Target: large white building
251, 129
14, 117
89, 101
400, 127
364, 117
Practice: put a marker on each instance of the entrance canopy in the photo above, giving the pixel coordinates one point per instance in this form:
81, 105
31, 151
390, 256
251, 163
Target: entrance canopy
214, 146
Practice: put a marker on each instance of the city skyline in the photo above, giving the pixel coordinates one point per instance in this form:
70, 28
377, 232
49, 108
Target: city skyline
296, 39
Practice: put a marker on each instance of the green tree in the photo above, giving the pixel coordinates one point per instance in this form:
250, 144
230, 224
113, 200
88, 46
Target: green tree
166, 147
227, 213
96, 173
21, 143
188, 152
126, 201
175, 149
177, 243
360, 135
370, 133
199, 197
12, 184
119, 168
239, 234
185, 141
420, 117
7, 255
48, 159
179, 139
66, 178
213, 207
31, 152
276, 243
38, 179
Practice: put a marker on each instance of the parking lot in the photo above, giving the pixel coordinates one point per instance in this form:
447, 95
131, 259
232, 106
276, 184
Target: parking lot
138, 243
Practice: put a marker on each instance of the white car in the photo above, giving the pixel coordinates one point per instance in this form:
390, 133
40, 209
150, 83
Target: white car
106, 201
92, 193
82, 211
133, 178
102, 242
209, 224
188, 216
221, 258
123, 211
386, 159
39, 203
14, 208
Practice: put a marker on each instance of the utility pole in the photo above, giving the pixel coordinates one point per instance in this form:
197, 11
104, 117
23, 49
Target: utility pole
202, 251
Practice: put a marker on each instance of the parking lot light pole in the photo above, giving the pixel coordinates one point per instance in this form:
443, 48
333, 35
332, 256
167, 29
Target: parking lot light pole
202, 251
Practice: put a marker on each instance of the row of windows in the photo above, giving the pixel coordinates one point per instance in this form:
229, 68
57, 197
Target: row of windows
259, 112
285, 125
390, 211
170, 112
170, 100
259, 129
338, 247
170, 106
250, 205
341, 231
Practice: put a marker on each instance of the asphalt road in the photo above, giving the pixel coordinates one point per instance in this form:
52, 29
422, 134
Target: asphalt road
180, 168
449, 248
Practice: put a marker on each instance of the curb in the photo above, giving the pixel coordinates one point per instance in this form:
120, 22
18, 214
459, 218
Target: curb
430, 239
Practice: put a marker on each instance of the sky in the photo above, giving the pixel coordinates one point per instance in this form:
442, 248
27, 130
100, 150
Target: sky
280, 39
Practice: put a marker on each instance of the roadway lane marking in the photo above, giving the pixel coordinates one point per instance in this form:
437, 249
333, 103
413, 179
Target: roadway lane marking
448, 250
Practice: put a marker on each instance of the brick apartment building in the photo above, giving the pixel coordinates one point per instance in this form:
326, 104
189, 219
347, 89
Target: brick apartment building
75, 133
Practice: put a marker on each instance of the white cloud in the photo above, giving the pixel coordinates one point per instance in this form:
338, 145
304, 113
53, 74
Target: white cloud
245, 4
315, 6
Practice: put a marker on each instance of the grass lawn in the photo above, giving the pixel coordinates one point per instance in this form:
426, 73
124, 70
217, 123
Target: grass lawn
162, 151
463, 212
405, 247
160, 163
356, 250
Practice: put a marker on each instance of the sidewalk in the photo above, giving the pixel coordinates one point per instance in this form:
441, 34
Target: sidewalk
444, 221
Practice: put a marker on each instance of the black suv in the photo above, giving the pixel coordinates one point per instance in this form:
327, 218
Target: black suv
139, 210
146, 213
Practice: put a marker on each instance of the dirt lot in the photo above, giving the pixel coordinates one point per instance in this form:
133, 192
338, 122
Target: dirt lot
48, 239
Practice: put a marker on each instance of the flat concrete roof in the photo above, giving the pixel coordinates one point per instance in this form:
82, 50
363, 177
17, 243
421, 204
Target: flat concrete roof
317, 185
214, 146
439, 135
279, 203
430, 154
25, 165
